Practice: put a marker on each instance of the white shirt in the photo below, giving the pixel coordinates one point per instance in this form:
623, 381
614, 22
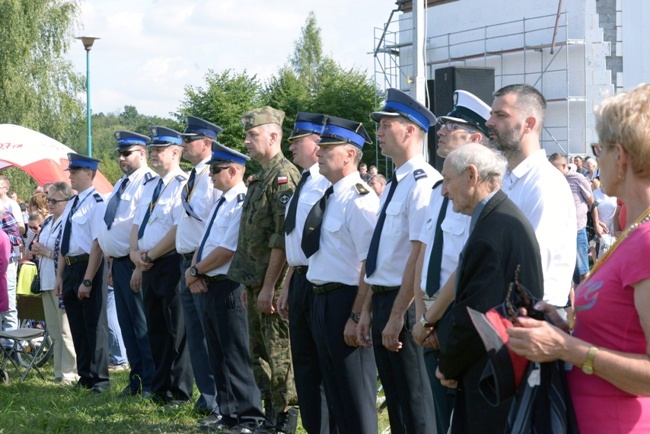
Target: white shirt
164, 215
115, 242
543, 195
13, 207
203, 196
455, 231
405, 216
311, 193
47, 237
349, 220
86, 221
606, 208
225, 229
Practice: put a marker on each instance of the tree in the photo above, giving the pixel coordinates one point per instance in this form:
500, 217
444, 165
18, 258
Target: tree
308, 52
38, 87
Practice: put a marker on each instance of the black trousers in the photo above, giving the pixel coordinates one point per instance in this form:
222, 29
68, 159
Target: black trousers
172, 379
314, 412
403, 374
88, 325
349, 373
225, 323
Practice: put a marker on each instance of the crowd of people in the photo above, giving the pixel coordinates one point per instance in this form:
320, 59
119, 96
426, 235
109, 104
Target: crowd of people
288, 294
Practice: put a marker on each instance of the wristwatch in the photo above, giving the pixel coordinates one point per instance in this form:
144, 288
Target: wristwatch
87, 283
193, 271
355, 316
425, 323
588, 365
147, 259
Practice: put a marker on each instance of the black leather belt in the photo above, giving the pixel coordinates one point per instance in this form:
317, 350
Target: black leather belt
328, 287
301, 269
379, 289
188, 256
69, 260
121, 258
213, 279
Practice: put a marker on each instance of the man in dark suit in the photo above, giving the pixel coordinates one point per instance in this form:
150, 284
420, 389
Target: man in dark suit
501, 238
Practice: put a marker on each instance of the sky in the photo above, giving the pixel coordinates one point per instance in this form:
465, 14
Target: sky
151, 49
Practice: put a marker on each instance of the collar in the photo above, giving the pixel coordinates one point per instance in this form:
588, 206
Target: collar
347, 182
173, 173
525, 166
89, 190
137, 174
314, 171
273, 162
235, 191
199, 167
408, 167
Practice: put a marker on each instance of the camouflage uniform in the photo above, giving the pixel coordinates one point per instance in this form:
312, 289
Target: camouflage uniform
261, 230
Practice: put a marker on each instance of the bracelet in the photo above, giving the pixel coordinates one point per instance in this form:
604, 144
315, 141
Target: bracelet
588, 365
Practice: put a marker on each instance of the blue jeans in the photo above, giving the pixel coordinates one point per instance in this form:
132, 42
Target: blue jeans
582, 260
115, 343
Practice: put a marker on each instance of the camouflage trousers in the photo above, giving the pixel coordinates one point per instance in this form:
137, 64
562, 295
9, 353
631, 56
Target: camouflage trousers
270, 354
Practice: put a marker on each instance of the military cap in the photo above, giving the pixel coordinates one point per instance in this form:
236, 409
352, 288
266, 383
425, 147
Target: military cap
306, 124
469, 109
223, 154
78, 161
399, 103
339, 131
163, 136
261, 116
126, 139
199, 127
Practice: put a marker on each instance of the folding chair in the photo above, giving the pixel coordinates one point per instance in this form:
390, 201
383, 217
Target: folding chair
22, 340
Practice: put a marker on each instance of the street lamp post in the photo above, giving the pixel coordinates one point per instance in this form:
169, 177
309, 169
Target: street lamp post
88, 45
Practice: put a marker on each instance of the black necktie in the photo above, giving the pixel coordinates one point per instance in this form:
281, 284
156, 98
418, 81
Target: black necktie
371, 259
186, 193
290, 221
207, 232
111, 208
65, 240
311, 233
152, 204
435, 260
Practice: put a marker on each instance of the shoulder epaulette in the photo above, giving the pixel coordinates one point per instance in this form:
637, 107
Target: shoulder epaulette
180, 178
148, 177
361, 189
147, 180
98, 197
419, 174
241, 197
436, 184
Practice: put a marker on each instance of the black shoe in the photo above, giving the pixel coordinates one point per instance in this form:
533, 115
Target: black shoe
80, 386
287, 422
244, 428
128, 392
213, 419
98, 390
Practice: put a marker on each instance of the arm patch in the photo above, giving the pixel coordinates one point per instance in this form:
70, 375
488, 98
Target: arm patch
361, 189
148, 177
419, 174
180, 178
241, 197
147, 180
98, 197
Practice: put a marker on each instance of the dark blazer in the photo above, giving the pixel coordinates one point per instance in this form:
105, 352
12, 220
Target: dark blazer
502, 239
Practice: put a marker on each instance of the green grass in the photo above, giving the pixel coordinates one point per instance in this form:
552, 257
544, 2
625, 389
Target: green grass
37, 406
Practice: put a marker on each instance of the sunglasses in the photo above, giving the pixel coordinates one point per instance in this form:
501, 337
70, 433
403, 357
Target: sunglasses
55, 201
453, 126
597, 149
124, 154
34, 228
216, 170
190, 139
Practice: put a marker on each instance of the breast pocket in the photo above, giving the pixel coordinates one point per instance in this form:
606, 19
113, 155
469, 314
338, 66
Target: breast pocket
453, 227
80, 218
332, 229
163, 208
395, 219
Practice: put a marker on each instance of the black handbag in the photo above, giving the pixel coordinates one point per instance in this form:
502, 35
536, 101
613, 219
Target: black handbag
36, 284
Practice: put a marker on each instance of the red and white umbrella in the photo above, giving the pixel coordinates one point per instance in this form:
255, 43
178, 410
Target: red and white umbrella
42, 157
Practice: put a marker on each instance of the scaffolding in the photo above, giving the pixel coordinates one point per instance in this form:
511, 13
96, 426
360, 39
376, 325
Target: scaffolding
536, 50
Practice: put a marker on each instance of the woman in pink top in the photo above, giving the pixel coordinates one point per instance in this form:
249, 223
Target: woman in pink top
5, 252
610, 379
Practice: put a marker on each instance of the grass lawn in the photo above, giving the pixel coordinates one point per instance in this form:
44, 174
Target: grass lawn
37, 406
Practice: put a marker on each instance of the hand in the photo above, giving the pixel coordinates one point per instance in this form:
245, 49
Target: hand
390, 334
58, 287
198, 286
83, 291
39, 249
551, 313
420, 333
604, 227
538, 341
431, 341
244, 298
444, 381
350, 333
363, 330
265, 300
136, 280
283, 303
138, 259
189, 279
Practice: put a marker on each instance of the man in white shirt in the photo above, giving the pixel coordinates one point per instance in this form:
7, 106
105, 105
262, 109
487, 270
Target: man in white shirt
114, 237
534, 185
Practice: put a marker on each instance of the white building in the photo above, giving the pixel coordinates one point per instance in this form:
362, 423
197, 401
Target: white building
576, 52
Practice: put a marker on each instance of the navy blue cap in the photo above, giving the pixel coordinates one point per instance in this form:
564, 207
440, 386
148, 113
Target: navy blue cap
469, 109
399, 103
199, 127
163, 136
223, 154
306, 124
78, 161
126, 139
339, 131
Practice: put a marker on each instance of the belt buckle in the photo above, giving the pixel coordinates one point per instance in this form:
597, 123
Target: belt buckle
67, 260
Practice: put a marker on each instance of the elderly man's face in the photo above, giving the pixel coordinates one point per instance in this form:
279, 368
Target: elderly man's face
457, 188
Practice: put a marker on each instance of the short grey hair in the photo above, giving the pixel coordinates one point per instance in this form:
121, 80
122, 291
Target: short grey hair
489, 164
